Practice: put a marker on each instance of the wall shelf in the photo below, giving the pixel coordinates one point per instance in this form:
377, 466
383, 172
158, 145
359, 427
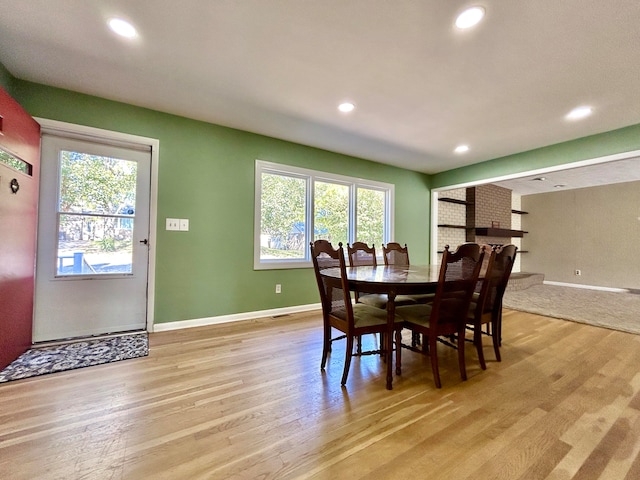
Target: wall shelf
462, 227
499, 232
454, 200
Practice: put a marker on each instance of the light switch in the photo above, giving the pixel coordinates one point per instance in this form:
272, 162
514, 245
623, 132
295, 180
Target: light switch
173, 224
184, 224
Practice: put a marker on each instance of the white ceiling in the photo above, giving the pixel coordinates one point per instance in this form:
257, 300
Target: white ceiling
280, 67
606, 173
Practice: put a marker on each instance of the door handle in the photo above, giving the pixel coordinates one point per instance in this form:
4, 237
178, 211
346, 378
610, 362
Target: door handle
144, 242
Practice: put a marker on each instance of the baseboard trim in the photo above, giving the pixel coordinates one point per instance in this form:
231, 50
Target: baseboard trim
236, 317
587, 287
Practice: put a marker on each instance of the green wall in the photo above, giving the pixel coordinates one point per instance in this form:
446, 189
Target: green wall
206, 174
608, 143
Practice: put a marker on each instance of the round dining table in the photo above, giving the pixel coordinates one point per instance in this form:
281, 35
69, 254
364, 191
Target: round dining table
392, 280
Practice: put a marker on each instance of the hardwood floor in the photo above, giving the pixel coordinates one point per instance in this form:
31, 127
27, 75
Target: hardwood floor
248, 401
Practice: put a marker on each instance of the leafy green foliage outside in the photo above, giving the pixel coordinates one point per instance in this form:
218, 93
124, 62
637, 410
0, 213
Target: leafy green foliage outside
283, 211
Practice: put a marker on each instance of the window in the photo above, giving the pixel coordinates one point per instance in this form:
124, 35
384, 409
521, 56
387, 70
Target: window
16, 163
96, 212
295, 206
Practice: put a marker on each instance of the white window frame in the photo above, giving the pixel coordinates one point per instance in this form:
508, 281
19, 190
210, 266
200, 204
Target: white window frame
311, 176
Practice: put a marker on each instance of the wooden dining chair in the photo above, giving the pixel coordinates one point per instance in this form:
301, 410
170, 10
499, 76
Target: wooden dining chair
338, 312
486, 307
446, 315
360, 254
395, 254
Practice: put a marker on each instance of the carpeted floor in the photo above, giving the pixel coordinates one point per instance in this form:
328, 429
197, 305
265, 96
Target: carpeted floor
82, 353
618, 311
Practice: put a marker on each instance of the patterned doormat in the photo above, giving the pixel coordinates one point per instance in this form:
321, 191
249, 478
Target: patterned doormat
83, 353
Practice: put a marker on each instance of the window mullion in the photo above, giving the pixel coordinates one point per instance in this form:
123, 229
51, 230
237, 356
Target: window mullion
310, 223
352, 212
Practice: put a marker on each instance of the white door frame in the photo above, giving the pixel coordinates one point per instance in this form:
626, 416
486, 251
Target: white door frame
84, 132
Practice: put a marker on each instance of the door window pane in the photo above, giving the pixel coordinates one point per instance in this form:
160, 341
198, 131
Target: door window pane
331, 212
95, 184
370, 216
282, 217
89, 245
96, 214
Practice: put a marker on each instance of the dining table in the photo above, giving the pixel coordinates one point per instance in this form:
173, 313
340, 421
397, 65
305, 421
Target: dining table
392, 280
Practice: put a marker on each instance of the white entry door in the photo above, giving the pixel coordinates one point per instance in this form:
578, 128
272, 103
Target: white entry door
93, 230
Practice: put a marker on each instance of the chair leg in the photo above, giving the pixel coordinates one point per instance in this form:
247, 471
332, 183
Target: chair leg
381, 346
347, 359
326, 348
359, 345
477, 340
495, 330
461, 360
398, 340
433, 353
425, 346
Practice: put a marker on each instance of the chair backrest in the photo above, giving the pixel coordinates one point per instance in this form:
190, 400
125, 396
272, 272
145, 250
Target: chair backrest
485, 262
395, 254
457, 280
361, 254
485, 284
334, 292
499, 277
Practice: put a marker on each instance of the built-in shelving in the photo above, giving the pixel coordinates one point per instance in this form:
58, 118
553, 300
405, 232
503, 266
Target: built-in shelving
475, 232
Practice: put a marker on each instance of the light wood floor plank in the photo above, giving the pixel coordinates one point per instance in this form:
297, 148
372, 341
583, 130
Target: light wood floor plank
248, 400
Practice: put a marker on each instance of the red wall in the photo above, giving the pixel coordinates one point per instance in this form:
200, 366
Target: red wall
20, 136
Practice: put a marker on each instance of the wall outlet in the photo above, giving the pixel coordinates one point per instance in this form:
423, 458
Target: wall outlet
278, 288
578, 272
184, 224
173, 224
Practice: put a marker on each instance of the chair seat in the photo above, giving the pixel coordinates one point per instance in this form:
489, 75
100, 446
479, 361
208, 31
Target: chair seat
379, 300
418, 314
472, 312
423, 298
365, 316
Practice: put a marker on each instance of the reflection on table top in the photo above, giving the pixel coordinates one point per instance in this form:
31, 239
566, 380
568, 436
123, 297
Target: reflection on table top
389, 274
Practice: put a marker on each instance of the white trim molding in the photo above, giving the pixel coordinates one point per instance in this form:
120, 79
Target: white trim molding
236, 317
587, 287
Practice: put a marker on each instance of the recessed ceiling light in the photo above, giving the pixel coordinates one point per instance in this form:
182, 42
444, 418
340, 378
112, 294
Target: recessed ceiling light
461, 149
470, 17
579, 112
539, 179
122, 28
346, 107
560, 185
